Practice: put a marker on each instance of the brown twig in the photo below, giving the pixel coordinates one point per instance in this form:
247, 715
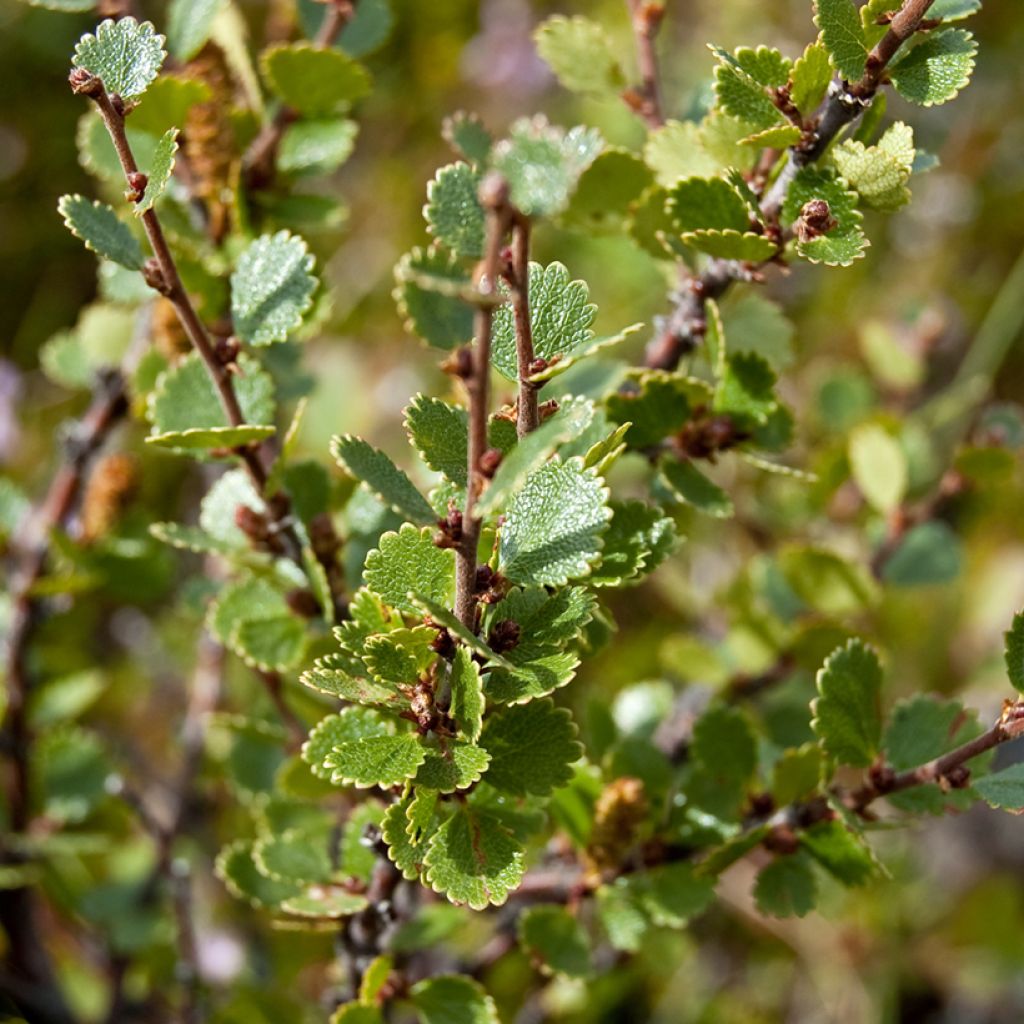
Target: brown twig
646, 17
494, 197
527, 415
684, 327
161, 273
259, 163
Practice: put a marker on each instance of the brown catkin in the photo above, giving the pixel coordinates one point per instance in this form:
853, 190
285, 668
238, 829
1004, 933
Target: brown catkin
111, 487
169, 337
620, 811
209, 139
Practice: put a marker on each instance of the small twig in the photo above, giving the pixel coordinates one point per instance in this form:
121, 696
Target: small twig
646, 17
161, 273
260, 161
527, 416
684, 327
494, 197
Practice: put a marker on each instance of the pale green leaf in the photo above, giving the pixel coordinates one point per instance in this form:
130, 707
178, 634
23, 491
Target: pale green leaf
466, 134
326, 902
126, 55
675, 150
467, 707
707, 204
928, 554
581, 54
316, 146
811, 75
272, 288
553, 526
236, 868
102, 231
440, 433
375, 760
409, 561
453, 212
1003, 789
879, 466
742, 80
453, 999
456, 767
747, 246
560, 319
189, 23
638, 539
160, 170
542, 163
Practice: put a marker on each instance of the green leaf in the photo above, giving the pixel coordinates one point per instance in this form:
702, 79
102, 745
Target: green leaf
676, 150
127, 56
440, 433
316, 82
810, 78
553, 526
929, 554
272, 288
70, 768
607, 189
316, 146
467, 707
237, 869
555, 940
400, 655
357, 1013
847, 714
742, 80
459, 766
253, 619
937, 68
654, 402
189, 23
746, 389
690, 485
374, 978
843, 36
841, 852
295, 855
473, 859
375, 760
548, 618
786, 887
441, 616
747, 246
382, 477
707, 204
338, 683
168, 102
409, 561
672, 894
797, 774
1003, 789
724, 749
406, 854
879, 467
581, 54
453, 999
536, 672
542, 163
827, 582
560, 318
638, 539
425, 282
533, 451
1014, 652
532, 748
954, 10
102, 231
453, 212
160, 171
326, 902
186, 412
879, 173
845, 242
466, 134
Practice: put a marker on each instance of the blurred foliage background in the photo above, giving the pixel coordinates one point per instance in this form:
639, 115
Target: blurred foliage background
943, 939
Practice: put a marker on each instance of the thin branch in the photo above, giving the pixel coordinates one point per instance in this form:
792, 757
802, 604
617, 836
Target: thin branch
646, 17
161, 273
527, 415
684, 327
494, 197
260, 161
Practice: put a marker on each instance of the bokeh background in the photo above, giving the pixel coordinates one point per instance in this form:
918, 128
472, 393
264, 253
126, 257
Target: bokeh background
942, 940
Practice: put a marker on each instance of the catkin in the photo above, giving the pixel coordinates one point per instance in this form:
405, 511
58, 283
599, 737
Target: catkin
111, 486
